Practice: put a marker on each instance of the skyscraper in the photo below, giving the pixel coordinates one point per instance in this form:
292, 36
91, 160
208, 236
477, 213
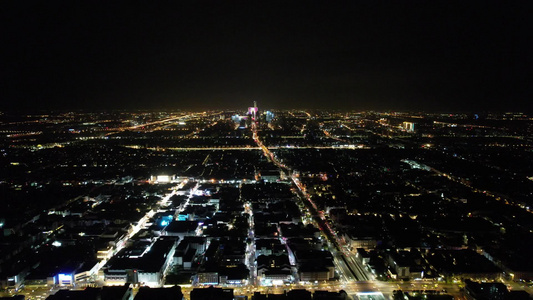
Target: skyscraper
252, 111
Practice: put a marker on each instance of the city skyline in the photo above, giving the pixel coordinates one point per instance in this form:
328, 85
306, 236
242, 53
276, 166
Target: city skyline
416, 56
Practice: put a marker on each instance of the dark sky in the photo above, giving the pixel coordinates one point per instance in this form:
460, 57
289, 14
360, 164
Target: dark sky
394, 55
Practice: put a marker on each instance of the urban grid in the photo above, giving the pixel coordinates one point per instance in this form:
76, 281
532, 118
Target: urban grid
266, 204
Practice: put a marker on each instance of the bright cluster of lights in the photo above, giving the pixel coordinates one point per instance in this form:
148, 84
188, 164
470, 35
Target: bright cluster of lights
166, 220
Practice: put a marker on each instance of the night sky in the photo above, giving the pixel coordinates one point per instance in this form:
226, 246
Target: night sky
397, 55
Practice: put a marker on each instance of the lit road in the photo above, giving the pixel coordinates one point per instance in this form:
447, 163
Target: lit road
246, 147
161, 124
495, 196
351, 288
265, 150
350, 268
250, 250
353, 269
144, 125
327, 134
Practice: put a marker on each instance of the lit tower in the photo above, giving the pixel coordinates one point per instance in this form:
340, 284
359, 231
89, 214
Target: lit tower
252, 111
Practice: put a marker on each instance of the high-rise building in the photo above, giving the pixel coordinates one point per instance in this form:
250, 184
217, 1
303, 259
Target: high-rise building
252, 111
269, 116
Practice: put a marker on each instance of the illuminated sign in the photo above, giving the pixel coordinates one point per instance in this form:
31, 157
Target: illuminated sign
64, 279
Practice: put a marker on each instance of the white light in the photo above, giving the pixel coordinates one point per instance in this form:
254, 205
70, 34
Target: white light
163, 178
64, 278
370, 293
56, 244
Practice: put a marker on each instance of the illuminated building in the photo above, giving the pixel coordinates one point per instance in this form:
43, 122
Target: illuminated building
148, 268
162, 178
236, 118
269, 116
408, 126
252, 111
